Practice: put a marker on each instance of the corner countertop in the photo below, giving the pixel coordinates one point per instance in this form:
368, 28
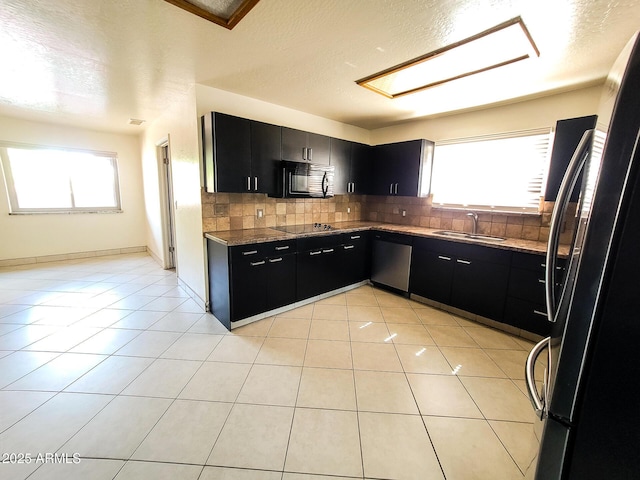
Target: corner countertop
260, 235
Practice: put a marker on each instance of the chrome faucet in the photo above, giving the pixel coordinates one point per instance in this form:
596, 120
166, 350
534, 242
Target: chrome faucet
474, 217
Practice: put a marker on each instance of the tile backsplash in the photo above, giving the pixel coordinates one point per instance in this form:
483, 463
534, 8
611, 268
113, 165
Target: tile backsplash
230, 211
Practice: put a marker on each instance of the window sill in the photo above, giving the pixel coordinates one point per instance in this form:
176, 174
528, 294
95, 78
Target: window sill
65, 212
498, 211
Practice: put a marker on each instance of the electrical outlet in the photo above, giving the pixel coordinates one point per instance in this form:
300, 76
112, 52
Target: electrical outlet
404, 213
260, 213
348, 209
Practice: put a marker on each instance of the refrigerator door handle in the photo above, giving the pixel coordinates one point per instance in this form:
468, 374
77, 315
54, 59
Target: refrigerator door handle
569, 180
537, 400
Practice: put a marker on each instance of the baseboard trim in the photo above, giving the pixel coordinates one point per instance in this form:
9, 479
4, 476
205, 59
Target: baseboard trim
13, 262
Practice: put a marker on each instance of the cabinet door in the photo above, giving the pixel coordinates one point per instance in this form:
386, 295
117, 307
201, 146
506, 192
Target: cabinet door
231, 153
567, 136
480, 287
310, 273
341, 161
405, 158
294, 145
265, 159
431, 275
248, 287
320, 146
281, 281
355, 262
383, 172
361, 168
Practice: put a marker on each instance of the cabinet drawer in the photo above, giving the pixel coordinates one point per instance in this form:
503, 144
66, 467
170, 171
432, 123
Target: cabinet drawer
253, 250
283, 247
527, 285
527, 315
316, 242
480, 252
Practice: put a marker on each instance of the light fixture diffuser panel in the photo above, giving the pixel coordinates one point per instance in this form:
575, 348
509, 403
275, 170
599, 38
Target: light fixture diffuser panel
226, 13
504, 44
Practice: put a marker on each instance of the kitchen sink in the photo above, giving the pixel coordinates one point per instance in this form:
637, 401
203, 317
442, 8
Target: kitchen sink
470, 236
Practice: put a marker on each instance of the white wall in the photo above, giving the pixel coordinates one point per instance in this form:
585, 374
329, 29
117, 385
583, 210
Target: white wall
213, 100
180, 125
536, 113
56, 234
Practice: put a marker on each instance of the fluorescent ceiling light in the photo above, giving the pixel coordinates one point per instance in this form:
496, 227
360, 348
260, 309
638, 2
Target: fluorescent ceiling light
222, 12
501, 45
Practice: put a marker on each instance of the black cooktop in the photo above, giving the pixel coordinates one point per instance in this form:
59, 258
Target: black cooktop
310, 228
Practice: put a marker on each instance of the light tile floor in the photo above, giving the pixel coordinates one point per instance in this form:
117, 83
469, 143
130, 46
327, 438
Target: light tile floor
109, 359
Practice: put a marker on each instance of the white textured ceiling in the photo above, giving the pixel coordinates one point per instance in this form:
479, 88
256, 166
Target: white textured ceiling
97, 63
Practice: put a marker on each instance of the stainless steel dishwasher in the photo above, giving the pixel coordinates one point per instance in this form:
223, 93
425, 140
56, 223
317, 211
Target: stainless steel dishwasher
391, 262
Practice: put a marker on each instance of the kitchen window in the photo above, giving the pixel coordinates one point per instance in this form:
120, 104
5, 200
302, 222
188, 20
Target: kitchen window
502, 173
41, 179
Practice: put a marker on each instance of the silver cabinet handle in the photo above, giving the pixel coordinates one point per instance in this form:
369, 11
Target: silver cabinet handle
464, 262
255, 183
304, 153
574, 169
255, 264
328, 250
309, 154
315, 253
249, 183
275, 260
391, 189
355, 237
537, 401
395, 190
442, 257
286, 247
538, 312
349, 247
540, 280
250, 252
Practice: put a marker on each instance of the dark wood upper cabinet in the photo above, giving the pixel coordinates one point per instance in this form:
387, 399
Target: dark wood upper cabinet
226, 152
240, 155
265, 158
567, 136
352, 169
398, 167
301, 146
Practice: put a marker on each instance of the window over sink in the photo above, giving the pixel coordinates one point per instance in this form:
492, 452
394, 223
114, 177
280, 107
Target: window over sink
42, 179
502, 173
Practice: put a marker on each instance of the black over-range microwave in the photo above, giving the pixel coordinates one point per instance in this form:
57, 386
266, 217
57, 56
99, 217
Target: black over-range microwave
302, 179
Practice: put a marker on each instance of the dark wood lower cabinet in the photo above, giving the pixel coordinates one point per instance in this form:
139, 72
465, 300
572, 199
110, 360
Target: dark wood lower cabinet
498, 284
281, 281
470, 277
431, 275
480, 287
355, 254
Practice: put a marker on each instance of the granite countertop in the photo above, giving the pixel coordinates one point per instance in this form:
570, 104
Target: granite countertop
259, 235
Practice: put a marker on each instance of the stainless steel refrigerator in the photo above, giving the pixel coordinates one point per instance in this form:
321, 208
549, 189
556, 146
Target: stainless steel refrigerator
589, 404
